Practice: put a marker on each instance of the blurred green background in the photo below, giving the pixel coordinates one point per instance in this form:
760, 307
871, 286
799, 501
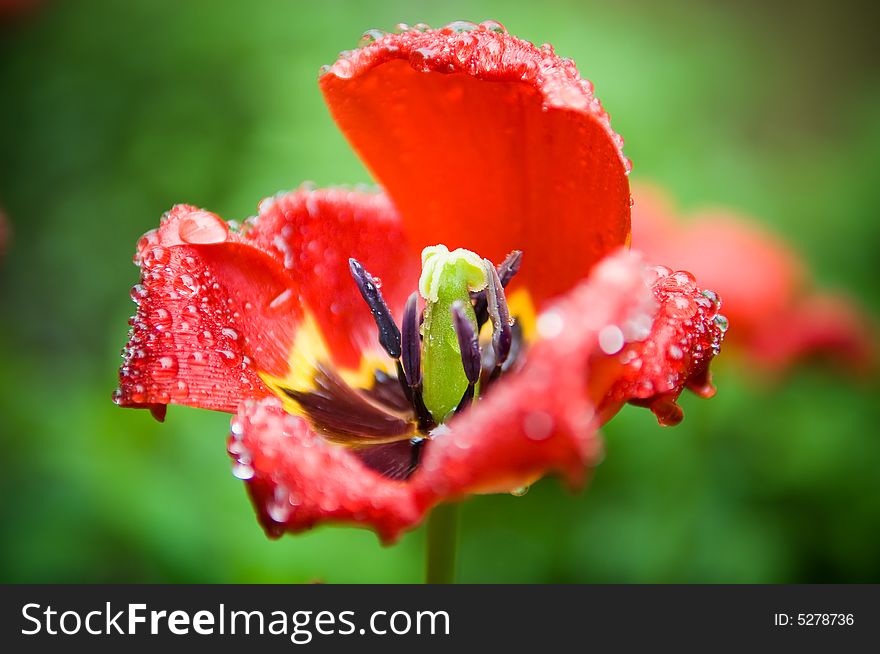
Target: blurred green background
113, 111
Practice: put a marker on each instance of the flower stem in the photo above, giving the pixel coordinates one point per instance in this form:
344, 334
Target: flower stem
442, 544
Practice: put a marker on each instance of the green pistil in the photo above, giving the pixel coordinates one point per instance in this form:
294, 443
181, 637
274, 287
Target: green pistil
447, 277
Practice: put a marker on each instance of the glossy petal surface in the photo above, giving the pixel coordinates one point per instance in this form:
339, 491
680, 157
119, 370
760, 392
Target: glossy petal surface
487, 142
216, 307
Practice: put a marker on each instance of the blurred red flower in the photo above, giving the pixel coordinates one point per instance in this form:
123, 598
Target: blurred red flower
778, 317
482, 141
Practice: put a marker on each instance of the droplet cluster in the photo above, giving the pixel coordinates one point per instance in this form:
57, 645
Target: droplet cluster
676, 348
296, 478
485, 50
182, 347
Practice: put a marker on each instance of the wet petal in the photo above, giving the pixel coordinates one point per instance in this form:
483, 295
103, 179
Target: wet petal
296, 479
487, 142
219, 310
668, 353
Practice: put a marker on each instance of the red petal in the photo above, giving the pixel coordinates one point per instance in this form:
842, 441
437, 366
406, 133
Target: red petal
215, 307
670, 353
487, 142
540, 419
767, 294
296, 479
755, 272
313, 234
818, 325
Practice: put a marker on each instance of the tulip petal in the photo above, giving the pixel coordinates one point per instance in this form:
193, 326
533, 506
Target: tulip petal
487, 142
220, 311
776, 315
296, 479
670, 353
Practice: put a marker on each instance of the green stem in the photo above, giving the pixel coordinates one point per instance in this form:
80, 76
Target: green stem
442, 544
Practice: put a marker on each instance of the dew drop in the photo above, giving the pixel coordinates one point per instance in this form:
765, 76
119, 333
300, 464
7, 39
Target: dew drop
461, 26
186, 285
281, 301
519, 492
369, 37
242, 471
493, 26
156, 256
167, 367
721, 323
538, 425
160, 319
138, 293
611, 339
229, 357
550, 324
229, 333
202, 228
180, 390
205, 338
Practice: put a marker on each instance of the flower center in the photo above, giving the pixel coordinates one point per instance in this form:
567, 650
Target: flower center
450, 349
441, 365
439, 359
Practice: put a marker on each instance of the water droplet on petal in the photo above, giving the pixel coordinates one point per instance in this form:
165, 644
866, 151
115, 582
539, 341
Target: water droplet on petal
611, 339
229, 333
721, 323
519, 492
161, 319
550, 324
460, 26
167, 367
186, 285
155, 256
242, 471
538, 425
202, 227
493, 26
369, 37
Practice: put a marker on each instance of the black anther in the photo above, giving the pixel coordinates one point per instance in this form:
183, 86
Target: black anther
389, 334
468, 343
425, 419
506, 271
502, 335
411, 347
466, 399
509, 267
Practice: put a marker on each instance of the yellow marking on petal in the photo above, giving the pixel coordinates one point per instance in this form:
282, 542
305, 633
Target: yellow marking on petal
308, 351
521, 306
365, 375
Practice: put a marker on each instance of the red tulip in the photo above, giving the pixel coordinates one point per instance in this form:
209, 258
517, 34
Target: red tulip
778, 316
482, 141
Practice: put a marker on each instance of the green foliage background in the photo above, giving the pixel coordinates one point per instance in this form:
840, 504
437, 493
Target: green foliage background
113, 111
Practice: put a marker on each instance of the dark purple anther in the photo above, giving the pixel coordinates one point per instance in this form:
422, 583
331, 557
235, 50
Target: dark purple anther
389, 334
509, 267
411, 347
506, 270
502, 335
468, 343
